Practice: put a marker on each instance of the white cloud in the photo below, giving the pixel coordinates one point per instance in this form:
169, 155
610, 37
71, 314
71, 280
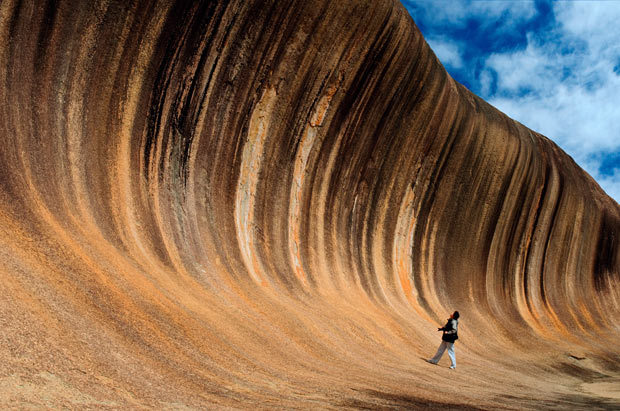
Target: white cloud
611, 184
562, 84
528, 68
486, 82
595, 21
502, 8
572, 98
457, 12
442, 12
447, 52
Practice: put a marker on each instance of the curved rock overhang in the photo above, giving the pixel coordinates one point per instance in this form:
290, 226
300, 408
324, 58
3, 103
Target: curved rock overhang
224, 203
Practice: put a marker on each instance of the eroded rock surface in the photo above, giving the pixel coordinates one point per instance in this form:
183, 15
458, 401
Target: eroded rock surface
275, 203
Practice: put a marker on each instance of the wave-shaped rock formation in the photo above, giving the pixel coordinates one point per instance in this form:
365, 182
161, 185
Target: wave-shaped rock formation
275, 203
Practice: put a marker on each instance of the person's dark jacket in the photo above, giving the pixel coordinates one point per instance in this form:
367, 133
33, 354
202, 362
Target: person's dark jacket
450, 331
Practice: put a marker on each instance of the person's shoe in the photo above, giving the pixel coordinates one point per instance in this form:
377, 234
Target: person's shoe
452, 367
431, 362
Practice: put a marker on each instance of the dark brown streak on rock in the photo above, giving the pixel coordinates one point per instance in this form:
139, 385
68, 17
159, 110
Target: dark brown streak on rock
170, 43
538, 211
186, 110
548, 239
44, 38
607, 248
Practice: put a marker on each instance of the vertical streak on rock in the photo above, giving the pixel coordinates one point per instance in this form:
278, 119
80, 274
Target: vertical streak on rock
131, 223
550, 198
304, 149
249, 174
445, 120
527, 210
403, 249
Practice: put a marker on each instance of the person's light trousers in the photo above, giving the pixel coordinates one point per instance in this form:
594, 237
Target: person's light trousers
442, 348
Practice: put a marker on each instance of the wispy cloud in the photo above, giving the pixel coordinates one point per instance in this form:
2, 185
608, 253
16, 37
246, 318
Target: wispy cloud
447, 51
555, 67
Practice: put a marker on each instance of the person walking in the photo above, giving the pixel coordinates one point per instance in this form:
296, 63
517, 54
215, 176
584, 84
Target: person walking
450, 335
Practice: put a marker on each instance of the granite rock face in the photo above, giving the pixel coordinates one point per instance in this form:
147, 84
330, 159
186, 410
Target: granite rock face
276, 203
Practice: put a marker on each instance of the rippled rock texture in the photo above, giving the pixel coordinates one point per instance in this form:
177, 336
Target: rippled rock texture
275, 203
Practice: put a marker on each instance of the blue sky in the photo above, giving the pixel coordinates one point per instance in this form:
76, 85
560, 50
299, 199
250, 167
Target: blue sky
552, 65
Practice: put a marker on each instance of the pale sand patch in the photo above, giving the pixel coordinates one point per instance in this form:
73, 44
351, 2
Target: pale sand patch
608, 388
44, 390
